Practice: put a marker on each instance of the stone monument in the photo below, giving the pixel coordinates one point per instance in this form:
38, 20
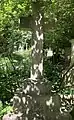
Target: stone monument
34, 100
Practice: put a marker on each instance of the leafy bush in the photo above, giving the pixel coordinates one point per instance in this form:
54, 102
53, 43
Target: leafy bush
52, 72
13, 70
4, 109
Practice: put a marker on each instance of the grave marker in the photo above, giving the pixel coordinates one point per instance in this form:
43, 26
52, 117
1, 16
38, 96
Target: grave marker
34, 99
36, 23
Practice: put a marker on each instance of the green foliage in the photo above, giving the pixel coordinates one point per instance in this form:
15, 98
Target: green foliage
58, 38
15, 62
12, 71
52, 72
4, 109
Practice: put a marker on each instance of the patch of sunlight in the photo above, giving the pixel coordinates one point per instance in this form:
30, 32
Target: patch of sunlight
40, 67
36, 22
27, 89
24, 100
49, 53
34, 118
17, 98
50, 102
39, 21
34, 76
39, 37
5, 64
23, 52
34, 46
37, 89
30, 97
27, 111
26, 118
35, 66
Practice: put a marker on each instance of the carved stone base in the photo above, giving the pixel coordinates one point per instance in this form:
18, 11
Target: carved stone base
34, 101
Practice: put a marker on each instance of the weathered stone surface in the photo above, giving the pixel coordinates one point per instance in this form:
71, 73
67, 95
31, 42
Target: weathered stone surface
12, 116
65, 116
35, 102
72, 113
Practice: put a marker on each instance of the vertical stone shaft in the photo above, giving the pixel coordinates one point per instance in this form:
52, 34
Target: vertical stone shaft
72, 51
37, 45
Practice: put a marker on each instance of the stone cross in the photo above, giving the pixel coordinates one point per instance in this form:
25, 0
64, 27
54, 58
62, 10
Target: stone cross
36, 23
34, 99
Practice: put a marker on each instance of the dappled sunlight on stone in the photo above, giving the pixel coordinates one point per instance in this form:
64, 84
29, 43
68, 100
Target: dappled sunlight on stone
49, 102
27, 111
17, 98
39, 36
12, 116
27, 89
37, 46
24, 99
37, 103
26, 118
39, 21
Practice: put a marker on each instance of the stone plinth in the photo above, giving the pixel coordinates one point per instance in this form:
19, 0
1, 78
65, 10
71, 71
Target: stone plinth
35, 102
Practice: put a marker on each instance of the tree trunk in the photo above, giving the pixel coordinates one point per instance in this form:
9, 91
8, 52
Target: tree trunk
37, 45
